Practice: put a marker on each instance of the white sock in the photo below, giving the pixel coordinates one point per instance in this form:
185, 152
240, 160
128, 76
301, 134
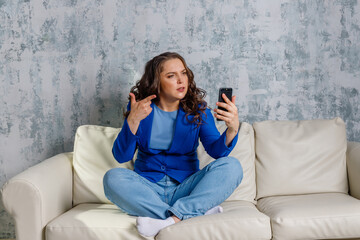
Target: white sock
214, 210
149, 227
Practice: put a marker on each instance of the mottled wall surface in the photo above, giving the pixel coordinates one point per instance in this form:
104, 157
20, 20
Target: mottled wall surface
67, 63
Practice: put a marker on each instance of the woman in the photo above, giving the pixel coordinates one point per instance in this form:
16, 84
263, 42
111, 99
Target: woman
166, 117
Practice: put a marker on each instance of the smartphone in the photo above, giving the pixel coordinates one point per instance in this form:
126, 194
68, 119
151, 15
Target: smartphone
228, 93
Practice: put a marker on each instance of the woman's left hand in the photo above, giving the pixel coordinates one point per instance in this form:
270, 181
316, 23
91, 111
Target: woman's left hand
230, 116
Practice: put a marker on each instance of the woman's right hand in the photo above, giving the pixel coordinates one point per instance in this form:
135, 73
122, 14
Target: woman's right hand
139, 110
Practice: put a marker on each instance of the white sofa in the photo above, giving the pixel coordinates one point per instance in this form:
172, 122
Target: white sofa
297, 180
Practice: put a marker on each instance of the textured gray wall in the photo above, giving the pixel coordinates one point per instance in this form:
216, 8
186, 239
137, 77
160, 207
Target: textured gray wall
67, 63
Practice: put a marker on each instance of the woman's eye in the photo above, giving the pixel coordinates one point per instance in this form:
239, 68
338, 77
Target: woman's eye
184, 73
170, 76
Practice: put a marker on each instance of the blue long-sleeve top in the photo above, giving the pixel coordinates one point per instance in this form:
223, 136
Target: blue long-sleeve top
180, 160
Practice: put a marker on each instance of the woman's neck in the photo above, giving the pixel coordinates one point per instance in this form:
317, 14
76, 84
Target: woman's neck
168, 106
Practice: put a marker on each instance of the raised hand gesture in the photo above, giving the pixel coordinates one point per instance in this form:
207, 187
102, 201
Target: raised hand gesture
139, 110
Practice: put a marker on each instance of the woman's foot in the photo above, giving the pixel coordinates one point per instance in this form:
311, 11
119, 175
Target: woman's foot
214, 210
149, 227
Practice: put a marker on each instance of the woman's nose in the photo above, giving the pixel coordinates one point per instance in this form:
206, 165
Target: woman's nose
181, 79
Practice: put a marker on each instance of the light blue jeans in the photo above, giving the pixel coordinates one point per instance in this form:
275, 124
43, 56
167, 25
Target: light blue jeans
198, 193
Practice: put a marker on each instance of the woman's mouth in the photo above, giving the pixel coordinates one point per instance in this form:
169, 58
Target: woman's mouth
181, 89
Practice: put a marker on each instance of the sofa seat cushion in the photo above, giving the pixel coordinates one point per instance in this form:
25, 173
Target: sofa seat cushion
93, 222
240, 220
313, 216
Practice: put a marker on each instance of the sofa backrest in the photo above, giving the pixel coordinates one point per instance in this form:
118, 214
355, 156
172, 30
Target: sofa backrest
93, 158
300, 157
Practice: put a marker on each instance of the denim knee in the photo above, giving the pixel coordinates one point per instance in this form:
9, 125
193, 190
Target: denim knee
113, 177
231, 165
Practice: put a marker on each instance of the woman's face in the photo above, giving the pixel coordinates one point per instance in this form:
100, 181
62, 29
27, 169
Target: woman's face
173, 81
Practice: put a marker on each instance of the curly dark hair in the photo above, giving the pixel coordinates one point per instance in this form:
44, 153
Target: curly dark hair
193, 103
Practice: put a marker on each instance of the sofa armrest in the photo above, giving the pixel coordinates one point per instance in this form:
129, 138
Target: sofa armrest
39, 194
353, 167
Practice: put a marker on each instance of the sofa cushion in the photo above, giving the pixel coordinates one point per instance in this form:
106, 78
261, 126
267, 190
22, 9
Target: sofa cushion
300, 157
313, 216
93, 158
93, 222
244, 151
240, 220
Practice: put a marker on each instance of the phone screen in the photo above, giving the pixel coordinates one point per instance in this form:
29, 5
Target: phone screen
228, 93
